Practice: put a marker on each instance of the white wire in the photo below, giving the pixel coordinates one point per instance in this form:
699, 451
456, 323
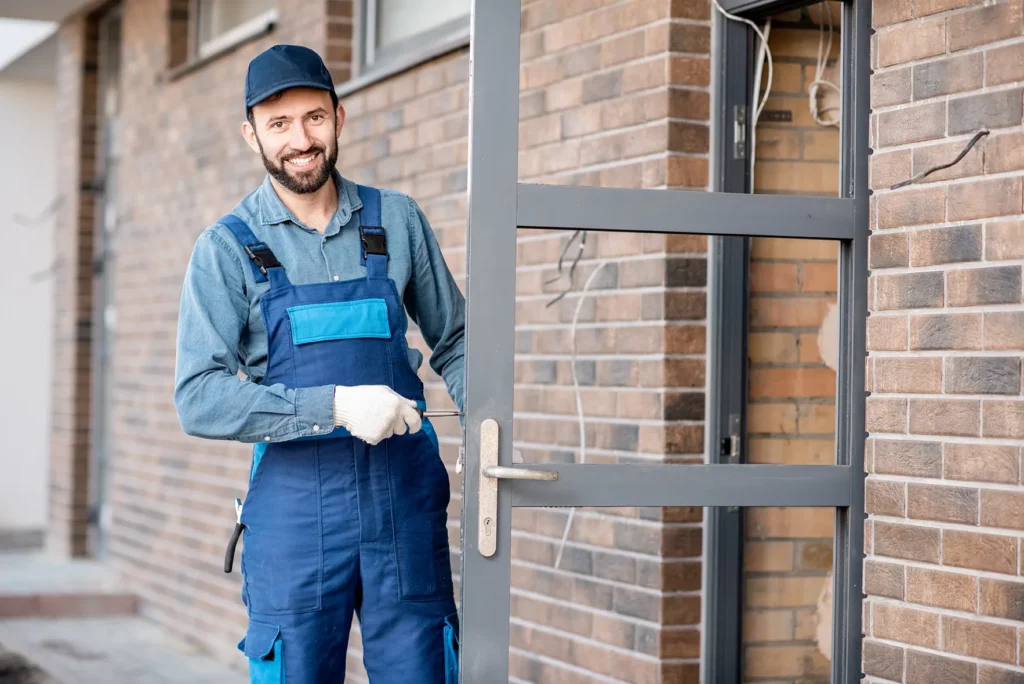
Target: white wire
764, 41
819, 73
579, 399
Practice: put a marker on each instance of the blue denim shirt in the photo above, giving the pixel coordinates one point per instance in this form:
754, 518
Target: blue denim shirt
222, 342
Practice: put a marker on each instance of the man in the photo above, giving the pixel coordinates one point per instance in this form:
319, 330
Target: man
305, 286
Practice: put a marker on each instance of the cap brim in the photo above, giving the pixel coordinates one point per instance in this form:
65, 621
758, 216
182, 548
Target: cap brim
261, 96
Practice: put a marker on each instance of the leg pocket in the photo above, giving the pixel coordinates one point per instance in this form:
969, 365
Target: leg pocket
282, 556
451, 649
262, 646
421, 552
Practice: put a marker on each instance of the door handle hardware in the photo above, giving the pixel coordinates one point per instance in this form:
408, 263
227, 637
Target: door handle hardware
490, 473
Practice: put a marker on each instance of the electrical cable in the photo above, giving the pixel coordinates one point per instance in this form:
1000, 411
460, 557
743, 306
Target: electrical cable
579, 398
819, 73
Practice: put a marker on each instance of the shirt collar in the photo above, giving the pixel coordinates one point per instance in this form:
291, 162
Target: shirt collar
273, 211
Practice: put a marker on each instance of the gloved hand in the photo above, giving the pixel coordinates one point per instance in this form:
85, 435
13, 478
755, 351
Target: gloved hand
373, 413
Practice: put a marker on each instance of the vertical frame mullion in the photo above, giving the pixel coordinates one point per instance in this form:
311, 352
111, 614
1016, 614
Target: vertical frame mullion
722, 650
847, 588
490, 326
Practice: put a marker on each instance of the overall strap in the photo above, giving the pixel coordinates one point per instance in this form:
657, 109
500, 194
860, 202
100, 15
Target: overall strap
265, 265
371, 234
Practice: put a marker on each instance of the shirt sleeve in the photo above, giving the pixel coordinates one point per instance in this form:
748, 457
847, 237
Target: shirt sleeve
436, 305
210, 399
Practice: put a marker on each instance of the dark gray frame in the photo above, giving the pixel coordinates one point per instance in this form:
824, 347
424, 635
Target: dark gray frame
498, 205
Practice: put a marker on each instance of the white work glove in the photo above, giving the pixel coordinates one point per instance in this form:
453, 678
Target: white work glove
373, 413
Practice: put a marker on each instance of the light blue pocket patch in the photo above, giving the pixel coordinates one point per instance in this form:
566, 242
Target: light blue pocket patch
339, 321
262, 646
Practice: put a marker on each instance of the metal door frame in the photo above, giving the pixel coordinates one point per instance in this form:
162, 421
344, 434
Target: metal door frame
499, 204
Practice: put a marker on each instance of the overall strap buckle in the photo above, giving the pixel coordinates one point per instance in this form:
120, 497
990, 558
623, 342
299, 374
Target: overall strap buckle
374, 243
261, 255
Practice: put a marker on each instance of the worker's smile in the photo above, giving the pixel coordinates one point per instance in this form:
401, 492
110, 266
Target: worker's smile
303, 162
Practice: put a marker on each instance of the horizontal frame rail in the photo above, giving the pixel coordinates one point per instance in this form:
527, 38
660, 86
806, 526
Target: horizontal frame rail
687, 485
571, 207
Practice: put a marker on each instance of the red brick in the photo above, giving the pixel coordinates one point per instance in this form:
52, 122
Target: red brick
991, 552
942, 589
1004, 330
981, 463
907, 625
1004, 241
885, 12
1004, 64
1002, 599
884, 579
927, 668
984, 198
909, 542
1004, 153
909, 375
911, 207
945, 331
1002, 509
887, 333
912, 41
884, 497
1004, 419
986, 24
945, 417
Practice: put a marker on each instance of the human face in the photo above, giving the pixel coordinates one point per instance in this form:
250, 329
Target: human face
296, 135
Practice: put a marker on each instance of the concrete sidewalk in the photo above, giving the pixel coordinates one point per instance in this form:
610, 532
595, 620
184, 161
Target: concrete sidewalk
71, 619
126, 650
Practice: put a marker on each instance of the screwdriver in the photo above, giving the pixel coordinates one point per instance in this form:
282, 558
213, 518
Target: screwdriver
440, 413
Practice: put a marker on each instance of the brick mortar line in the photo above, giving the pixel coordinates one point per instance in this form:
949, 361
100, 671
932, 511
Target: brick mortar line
546, 57
561, 665
631, 161
597, 325
984, 48
650, 457
950, 97
948, 654
955, 527
948, 397
951, 439
958, 484
599, 136
974, 308
647, 591
613, 290
604, 420
571, 17
597, 356
950, 353
967, 180
595, 260
933, 142
579, 638
595, 513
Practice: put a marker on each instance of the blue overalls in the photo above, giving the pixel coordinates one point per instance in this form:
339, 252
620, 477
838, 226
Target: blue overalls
333, 525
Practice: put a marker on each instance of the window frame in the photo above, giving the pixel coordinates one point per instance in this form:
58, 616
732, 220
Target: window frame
375, 65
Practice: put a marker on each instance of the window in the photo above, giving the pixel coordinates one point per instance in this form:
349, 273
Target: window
223, 23
398, 34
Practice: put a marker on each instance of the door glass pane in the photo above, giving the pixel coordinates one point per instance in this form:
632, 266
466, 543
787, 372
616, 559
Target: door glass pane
607, 101
792, 351
623, 599
796, 142
639, 306
787, 593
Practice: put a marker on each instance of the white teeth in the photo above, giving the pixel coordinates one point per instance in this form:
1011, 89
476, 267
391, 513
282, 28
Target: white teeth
302, 161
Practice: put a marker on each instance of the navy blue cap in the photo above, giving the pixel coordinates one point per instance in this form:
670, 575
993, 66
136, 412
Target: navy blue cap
282, 67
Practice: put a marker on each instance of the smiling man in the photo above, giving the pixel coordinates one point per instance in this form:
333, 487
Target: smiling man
306, 287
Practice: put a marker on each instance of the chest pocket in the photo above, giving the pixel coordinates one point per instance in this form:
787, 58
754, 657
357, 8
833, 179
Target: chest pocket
362, 318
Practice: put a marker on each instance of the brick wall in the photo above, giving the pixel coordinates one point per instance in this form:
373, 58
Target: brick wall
73, 319
945, 338
183, 164
791, 401
613, 93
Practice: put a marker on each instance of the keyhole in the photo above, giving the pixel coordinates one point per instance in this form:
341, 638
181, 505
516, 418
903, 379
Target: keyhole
487, 526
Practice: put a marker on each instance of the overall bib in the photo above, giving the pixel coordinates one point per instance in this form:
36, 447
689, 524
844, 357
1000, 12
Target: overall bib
332, 525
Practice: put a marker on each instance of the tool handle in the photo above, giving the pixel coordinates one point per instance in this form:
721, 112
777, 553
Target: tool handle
229, 555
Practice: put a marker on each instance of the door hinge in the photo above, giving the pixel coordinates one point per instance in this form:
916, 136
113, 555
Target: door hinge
739, 131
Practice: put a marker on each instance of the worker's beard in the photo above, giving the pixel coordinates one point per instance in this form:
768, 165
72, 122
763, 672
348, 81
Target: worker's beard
306, 180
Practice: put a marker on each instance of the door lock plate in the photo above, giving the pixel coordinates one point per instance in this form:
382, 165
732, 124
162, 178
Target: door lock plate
487, 539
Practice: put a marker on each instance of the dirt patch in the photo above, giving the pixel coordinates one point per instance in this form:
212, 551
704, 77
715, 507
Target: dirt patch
16, 669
